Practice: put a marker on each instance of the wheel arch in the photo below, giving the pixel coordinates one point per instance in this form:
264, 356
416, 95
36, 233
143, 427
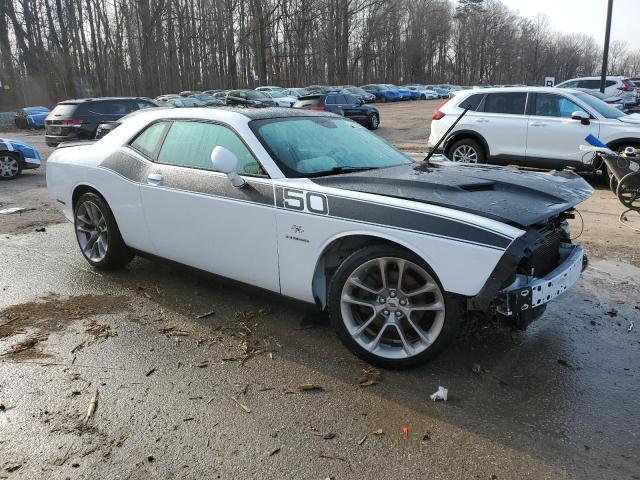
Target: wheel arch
623, 141
80, 190
337, 249
460, 134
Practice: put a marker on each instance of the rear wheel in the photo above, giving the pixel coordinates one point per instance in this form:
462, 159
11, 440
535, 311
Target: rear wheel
10, 166
388, 307
98, 234
466, 150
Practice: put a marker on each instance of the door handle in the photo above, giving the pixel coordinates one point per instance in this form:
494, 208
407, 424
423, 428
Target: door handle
155, 179
538, 124
482, 120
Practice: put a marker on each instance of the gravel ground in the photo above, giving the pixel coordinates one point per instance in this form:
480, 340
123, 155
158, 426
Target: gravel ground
198, 377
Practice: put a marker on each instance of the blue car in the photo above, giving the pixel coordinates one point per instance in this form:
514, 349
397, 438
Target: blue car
405, 93
16, 156
382, 93
31, 117
442, 92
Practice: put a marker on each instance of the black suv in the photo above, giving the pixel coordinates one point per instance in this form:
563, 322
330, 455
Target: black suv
342, 104
79, 119
249, 98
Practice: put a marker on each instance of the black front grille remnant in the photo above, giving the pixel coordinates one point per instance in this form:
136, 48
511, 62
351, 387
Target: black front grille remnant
543, 253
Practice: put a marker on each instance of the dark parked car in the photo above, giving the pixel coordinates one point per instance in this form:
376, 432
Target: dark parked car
107, 127
342, 104
358, 92
79, 119
31, 117
249, 98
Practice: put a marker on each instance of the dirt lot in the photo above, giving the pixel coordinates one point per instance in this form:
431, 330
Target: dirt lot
197, 377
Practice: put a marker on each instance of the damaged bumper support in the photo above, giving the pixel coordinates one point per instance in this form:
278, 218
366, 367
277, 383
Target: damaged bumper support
527, 293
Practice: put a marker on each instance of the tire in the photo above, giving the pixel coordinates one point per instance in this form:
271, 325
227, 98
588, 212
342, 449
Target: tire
467, 150
613, 182
383, 99
374, 122
10, 166
423, 97
439, 326
98, 234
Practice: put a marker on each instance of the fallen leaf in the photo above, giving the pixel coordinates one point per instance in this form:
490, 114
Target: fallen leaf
307, 387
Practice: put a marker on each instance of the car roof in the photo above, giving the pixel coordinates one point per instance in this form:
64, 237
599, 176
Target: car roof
482, 91
609, 77
206, 113
76, 101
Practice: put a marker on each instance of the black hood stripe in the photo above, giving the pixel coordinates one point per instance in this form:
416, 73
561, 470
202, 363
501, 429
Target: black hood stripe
136, 170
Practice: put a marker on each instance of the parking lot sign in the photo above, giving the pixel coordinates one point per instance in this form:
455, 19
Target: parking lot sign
549, 81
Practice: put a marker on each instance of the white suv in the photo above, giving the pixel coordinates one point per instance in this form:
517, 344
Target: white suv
530, 126
621, 87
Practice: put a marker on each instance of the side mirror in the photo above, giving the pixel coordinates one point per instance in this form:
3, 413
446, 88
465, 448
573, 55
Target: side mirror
582, 116
225, 161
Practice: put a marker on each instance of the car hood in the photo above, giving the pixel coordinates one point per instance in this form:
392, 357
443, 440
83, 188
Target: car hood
632, 118
518, 197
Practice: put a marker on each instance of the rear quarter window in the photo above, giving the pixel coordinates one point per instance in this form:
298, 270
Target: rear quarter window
473, 101
148, 141
507, 103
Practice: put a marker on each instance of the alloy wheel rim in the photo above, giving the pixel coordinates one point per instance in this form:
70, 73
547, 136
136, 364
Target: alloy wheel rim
466, 154
392, 307
8, 166
92, 232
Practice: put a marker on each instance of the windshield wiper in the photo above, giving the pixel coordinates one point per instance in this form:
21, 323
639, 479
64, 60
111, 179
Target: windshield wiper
338, 170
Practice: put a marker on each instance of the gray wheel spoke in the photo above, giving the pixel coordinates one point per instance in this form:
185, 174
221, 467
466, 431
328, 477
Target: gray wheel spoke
406, 346
356, 281
382, 264
376, 341
357, 301
432, 307
424, 336
365, 325
429, 287
401, 266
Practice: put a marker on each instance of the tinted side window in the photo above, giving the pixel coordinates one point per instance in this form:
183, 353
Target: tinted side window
189, 144
572, 84
472, 102
548, 105
512, 103
351, 100
592, 84
147, 141
332, 100
608, 83
111, 107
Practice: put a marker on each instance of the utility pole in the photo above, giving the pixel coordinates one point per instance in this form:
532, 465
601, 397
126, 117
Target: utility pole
605, 53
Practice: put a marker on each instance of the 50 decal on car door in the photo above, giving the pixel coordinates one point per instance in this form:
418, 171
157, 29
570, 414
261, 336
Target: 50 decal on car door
302, 201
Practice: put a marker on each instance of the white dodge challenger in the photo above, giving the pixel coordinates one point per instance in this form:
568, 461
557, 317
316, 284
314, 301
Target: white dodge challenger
401, 254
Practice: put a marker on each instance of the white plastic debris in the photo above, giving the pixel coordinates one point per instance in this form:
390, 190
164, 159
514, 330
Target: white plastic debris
8, 211
441, 394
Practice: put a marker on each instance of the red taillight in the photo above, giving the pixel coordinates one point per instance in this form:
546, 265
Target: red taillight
626, 87
316, 107
437, 114
71, 122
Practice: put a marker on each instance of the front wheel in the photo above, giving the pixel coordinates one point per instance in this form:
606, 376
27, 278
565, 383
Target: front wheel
98, 234
373, 122
388, 307
10, 166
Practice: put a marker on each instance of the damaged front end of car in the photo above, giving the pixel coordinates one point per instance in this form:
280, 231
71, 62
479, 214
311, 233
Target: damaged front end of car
536, 268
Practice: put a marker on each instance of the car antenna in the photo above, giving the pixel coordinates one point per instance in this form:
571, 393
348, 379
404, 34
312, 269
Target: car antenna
435, 147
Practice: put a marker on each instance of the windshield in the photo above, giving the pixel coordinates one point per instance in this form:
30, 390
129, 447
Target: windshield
276, 94
255, 95
356, 90
315, 146
607, 111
